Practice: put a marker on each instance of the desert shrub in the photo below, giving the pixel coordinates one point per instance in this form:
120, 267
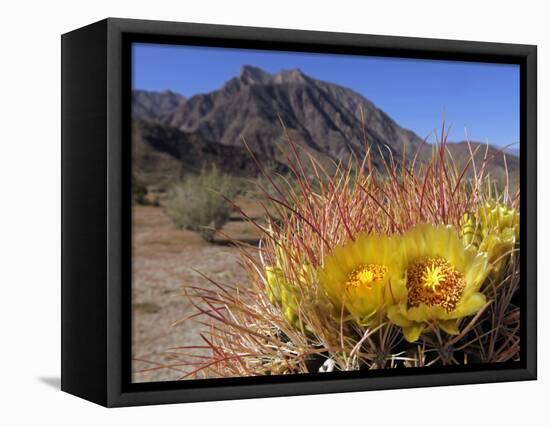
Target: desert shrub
198, 202
139, 190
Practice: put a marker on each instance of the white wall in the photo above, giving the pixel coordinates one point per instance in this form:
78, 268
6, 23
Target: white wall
30, 194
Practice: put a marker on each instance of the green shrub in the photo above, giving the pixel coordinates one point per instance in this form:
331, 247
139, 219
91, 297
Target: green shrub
139, 190
197, 202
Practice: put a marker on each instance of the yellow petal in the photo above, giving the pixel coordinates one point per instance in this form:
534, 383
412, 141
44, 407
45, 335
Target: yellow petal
413, 332
397, 318
423, 313
449, 327
470, 306
396, 291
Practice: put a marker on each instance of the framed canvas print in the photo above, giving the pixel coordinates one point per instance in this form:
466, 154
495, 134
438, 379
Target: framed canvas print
253, 212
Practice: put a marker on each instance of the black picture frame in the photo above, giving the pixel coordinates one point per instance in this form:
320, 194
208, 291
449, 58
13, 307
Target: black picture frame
96, 225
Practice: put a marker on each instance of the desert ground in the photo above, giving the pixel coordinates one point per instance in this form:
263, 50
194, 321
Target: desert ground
165, 259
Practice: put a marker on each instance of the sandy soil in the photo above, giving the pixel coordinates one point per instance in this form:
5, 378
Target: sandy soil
163, 260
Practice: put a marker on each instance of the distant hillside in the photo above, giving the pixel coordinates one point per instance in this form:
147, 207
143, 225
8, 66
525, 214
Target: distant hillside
169, 152
152, 105
495, 156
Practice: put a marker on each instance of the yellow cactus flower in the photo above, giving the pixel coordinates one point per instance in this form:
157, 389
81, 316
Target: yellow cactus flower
443, 279
360, 276
282, 291
282, 294
470, 231
494, 229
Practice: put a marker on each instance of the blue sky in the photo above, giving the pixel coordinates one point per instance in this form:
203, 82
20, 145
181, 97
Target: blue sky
417, 94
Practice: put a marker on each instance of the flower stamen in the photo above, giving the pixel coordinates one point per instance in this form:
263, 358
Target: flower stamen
366, 275
434, 282
432, 277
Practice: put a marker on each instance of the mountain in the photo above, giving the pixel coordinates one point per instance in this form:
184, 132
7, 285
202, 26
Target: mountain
323, 118
514, 149
151, 105
494, 157
169, 152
